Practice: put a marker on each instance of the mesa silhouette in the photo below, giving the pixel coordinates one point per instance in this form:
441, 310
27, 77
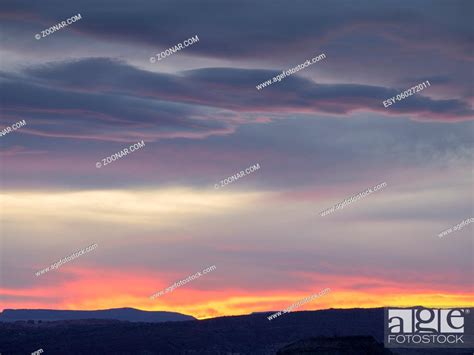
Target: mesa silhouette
123, 314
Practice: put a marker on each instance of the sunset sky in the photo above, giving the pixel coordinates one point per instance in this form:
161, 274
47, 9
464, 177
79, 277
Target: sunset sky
320, 136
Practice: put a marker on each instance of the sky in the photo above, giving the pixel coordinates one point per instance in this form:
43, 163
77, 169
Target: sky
320, 136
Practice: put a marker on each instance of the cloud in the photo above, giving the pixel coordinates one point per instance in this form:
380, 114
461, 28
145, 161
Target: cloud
101, 115
234, 89
105, 99
247, 29
18, 150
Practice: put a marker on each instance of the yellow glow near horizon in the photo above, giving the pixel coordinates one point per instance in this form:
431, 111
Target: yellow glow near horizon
143, 206
225, 304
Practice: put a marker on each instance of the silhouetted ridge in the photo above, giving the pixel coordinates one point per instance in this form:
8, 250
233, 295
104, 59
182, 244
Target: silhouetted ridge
123, 314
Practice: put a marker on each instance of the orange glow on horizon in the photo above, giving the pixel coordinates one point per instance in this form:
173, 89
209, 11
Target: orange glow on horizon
92, 290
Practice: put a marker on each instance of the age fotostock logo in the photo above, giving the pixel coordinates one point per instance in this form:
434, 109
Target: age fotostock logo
420, 327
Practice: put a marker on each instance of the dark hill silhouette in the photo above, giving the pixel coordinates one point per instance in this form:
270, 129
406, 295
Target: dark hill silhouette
124, 314
237, 335
355, 345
